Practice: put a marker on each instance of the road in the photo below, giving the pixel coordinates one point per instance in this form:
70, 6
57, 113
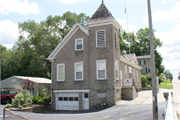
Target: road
137, 109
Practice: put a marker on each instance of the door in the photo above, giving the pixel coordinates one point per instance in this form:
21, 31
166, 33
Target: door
68, 101
85, 101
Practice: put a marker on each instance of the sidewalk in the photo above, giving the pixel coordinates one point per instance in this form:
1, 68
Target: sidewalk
145, 97
176, 96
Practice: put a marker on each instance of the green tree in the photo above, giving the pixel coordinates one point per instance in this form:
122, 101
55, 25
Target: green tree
168, 74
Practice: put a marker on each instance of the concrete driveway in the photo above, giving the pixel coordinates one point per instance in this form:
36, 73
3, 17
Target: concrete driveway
137, 109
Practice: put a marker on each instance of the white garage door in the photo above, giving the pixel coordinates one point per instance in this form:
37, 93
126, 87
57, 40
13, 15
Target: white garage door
68, 101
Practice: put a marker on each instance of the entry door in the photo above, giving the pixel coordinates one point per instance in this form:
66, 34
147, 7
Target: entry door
85, 100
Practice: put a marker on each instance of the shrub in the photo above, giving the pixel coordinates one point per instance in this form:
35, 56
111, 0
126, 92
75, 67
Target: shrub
8, 105
148, 76
35, 99
143, 81
160, 79
149, 86
24, 98
42, 92
20, 106
40, 101
47, 100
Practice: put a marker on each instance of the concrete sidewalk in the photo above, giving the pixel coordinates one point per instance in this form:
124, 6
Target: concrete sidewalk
145, 97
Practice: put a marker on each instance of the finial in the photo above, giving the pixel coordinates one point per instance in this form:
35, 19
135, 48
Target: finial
102, 1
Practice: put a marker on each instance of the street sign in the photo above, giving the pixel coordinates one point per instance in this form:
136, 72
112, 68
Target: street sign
128, 82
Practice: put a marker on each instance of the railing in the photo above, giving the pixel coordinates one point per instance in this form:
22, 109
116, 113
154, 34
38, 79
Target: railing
170, 113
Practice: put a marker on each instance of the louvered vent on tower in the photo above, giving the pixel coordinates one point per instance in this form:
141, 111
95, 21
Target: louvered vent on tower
101, 42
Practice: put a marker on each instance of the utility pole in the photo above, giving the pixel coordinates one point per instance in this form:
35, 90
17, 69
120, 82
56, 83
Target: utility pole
153, 73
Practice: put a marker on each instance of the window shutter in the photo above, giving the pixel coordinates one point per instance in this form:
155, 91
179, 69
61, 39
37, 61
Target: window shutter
101, 38
146, 69
144, 62
140, 62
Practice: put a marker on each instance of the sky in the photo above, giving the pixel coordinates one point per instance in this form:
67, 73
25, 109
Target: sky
165, 18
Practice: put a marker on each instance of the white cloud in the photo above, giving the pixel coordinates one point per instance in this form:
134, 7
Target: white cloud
123, 23
163, 2
23, 7
9, 33
170, 49
72, 1
162, 15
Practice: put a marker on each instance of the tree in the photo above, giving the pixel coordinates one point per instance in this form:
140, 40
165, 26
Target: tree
179, 75
168, 74
140, 45
28, 55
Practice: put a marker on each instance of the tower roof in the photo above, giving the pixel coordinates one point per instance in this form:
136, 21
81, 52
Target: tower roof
102, 13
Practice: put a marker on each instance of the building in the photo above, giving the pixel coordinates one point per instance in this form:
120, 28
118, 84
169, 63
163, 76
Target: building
88, 69
145, 63
16, 83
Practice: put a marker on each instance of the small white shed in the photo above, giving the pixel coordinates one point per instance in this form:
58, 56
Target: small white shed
14, 84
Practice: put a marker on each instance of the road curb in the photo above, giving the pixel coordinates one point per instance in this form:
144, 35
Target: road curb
17, 114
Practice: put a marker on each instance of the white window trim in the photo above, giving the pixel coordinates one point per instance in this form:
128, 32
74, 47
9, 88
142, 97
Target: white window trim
61, 64
134, 75
104, 37
116, 63
121, 77
116, 40
75, 70
97, 61
125, 72
76, 44
137, 75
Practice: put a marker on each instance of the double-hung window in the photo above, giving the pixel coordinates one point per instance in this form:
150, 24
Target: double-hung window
116, 40
130, 73
79, 44
125, 72
101, 69
78, 70
117, 69
142, 62
61, 72
100, 38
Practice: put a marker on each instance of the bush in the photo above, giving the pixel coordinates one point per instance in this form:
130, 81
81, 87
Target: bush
42, 92
160, 79
144, 81
148, 76
149, 86
20, 106
23, 98
35, 99
40, 101
47, 100
8, 105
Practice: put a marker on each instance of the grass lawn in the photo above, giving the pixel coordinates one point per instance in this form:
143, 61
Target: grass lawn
165, 86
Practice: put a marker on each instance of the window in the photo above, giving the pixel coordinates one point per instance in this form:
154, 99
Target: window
142, 62
79, 44
130, 73
61, 72
101, 93
134, 75
75, 98
101, 69
65, 98
79, 71
85, 95
100, 38
121, 77
117, 69
70, 98
137, 75
125, 72
60, 98
148, 70
116, 40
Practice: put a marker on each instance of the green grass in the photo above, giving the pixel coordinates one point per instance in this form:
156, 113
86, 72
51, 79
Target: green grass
165, 86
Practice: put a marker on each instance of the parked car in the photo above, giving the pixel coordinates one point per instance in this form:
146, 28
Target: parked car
6, 96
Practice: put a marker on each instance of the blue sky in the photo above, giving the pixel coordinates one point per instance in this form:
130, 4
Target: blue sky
165, 15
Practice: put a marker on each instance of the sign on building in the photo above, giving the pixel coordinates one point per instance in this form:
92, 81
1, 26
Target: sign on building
128, 82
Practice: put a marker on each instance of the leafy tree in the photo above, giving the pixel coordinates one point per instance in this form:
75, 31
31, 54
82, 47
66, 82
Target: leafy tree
140, 45
168, 74
28, 56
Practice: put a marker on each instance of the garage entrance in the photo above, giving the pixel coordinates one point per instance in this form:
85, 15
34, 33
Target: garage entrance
68, 101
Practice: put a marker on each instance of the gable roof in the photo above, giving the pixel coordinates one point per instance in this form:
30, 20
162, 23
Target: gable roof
77, 26
102, 13
130, 56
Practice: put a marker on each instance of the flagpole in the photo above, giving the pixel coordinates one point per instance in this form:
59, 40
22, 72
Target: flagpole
127, 28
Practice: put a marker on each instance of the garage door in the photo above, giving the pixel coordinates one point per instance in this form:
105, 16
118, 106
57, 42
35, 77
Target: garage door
68, 101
